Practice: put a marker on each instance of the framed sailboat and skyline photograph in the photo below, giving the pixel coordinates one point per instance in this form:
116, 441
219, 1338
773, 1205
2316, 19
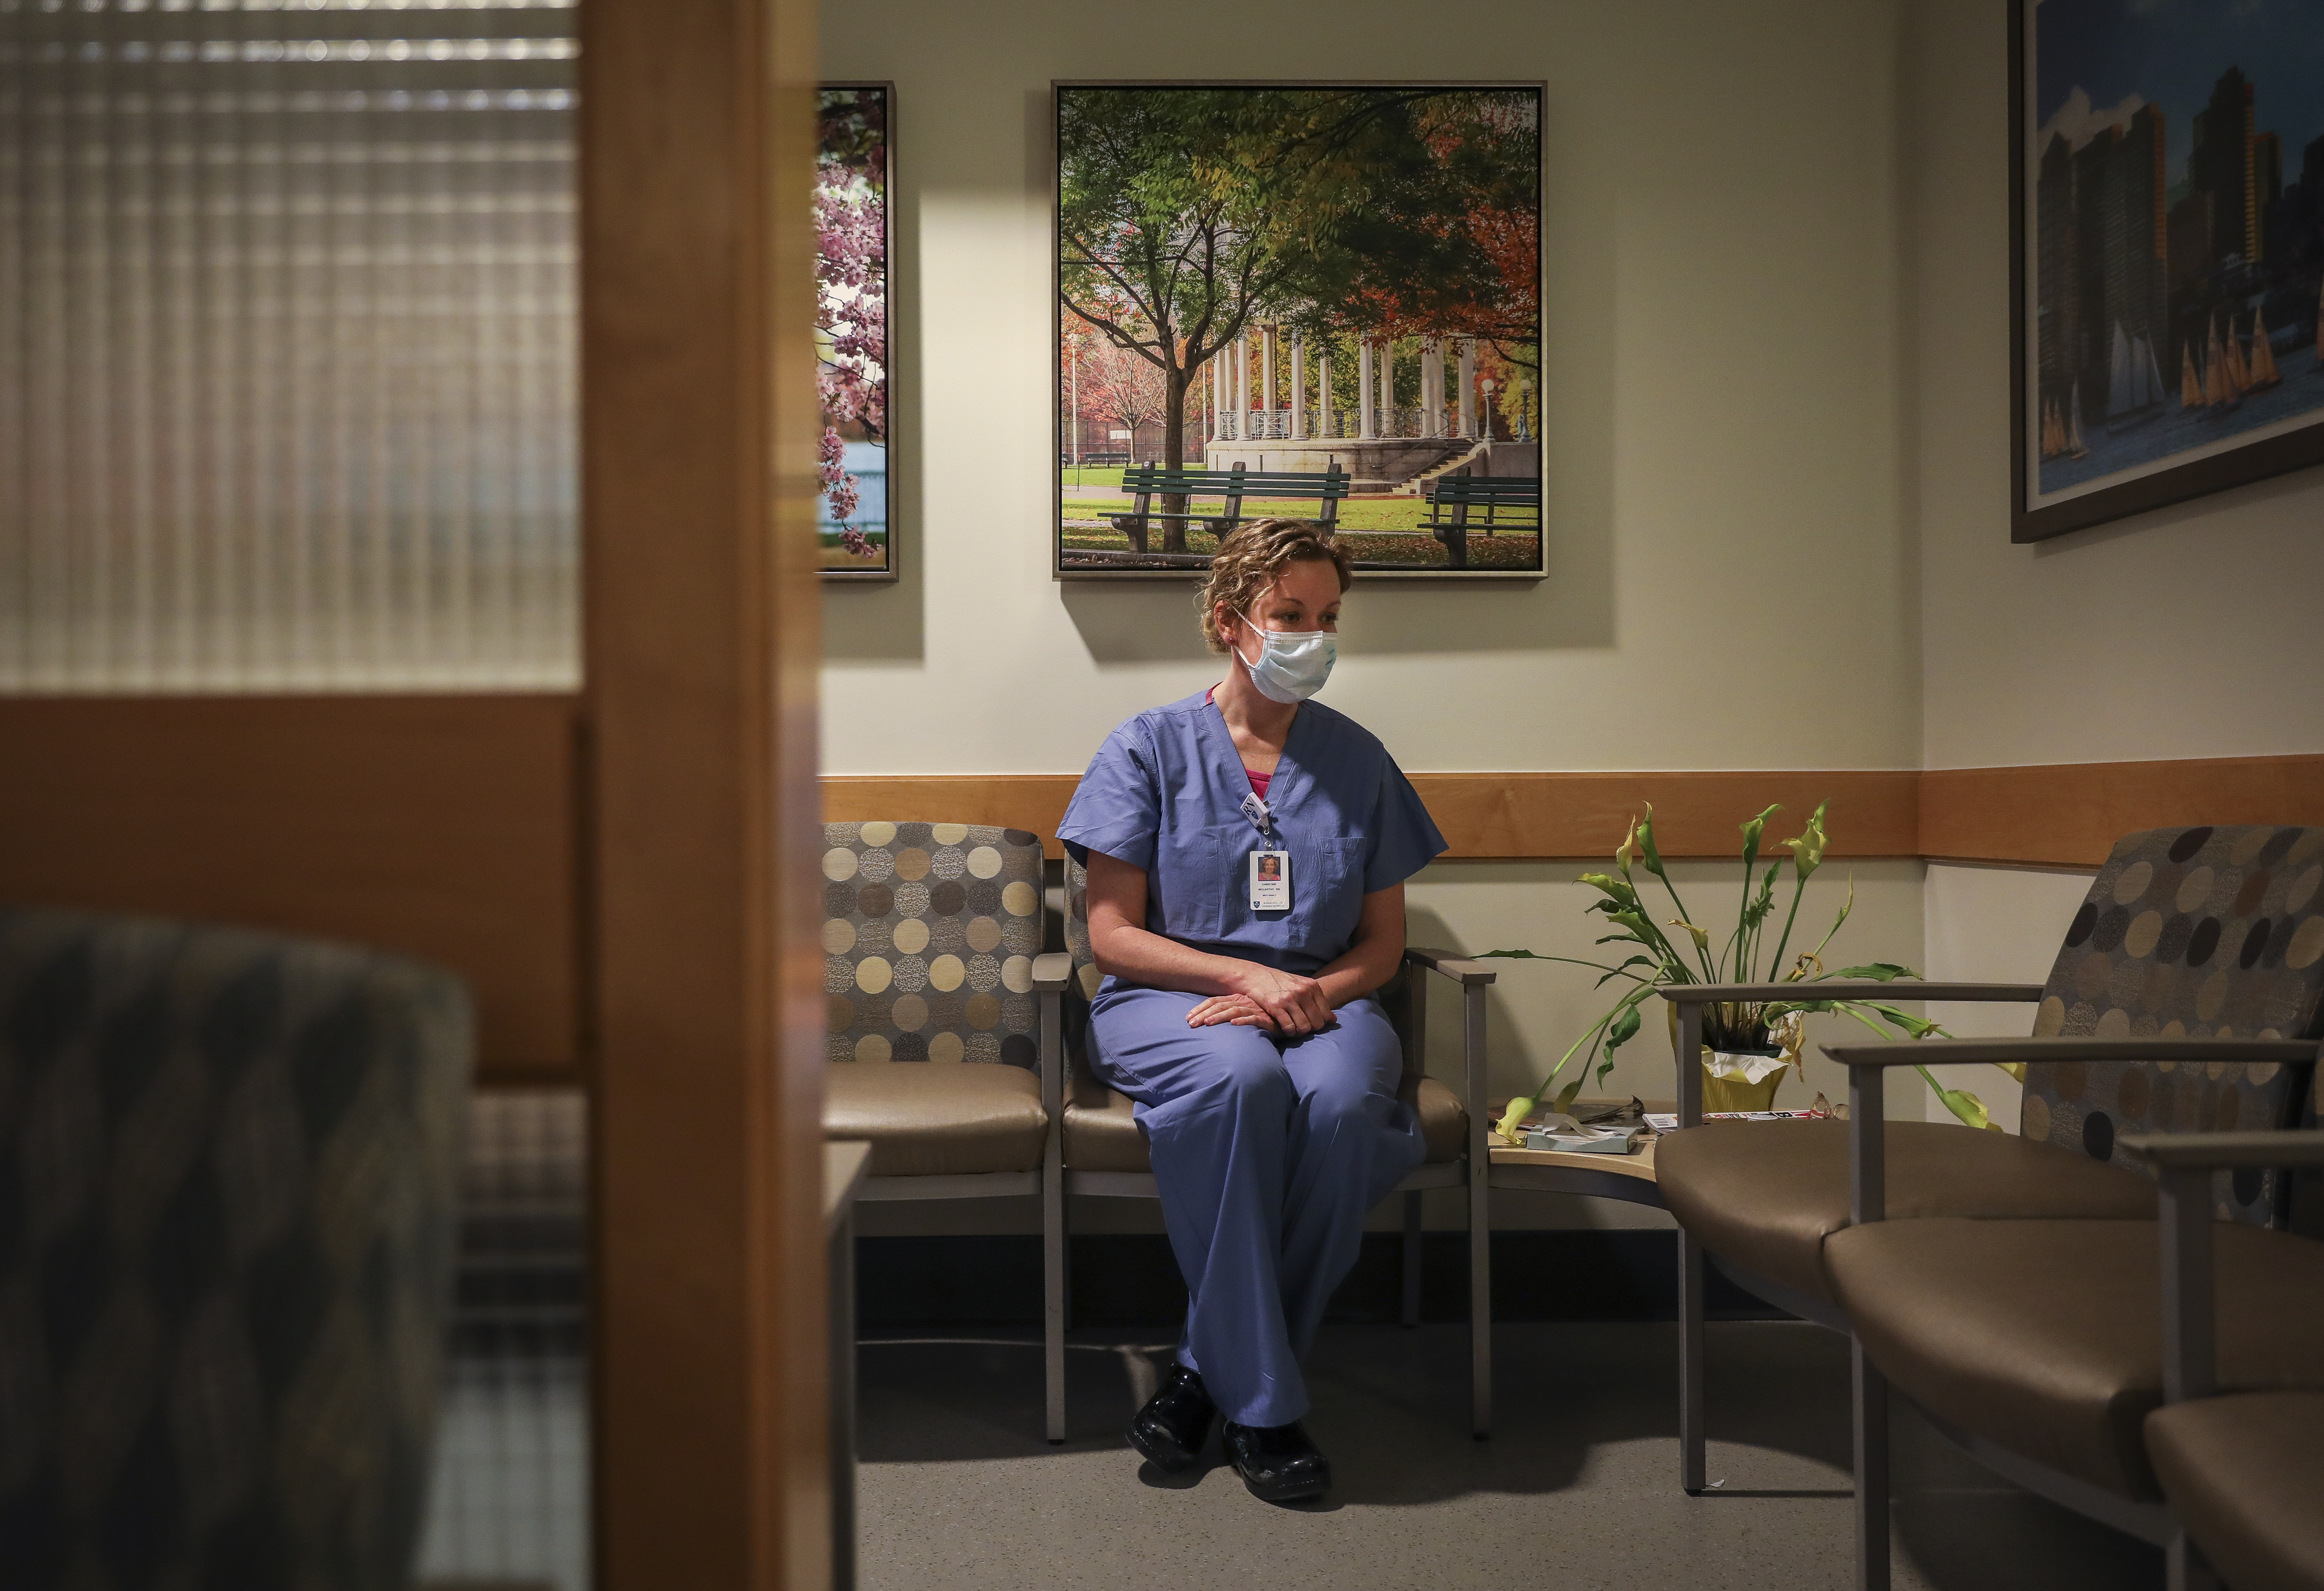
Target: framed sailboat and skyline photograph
2167, 224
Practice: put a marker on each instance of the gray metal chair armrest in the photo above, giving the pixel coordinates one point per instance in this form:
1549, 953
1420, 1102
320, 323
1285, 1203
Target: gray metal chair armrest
2178, 1152
1867, 1066
2183, 1164
1459, 969
1845, 989
1977, 1052
1052, 970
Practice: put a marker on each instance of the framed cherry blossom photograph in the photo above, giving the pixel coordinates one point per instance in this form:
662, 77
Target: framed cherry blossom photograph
855, 528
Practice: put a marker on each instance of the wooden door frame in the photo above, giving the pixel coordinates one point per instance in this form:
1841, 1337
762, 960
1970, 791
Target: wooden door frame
701, 650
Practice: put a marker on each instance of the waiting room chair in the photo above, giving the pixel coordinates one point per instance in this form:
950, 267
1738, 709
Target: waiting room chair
229, 1171
2184, 931
1105, 1152
2241, 1472
942, 1015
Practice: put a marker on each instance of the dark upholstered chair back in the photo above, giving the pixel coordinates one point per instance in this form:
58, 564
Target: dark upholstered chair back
929, 934
2200, 932
228, 1167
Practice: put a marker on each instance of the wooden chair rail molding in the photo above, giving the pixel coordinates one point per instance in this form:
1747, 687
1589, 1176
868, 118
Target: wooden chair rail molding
2056, 815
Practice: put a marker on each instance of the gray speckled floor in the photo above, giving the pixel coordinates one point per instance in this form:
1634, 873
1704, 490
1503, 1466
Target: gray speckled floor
1576, 1490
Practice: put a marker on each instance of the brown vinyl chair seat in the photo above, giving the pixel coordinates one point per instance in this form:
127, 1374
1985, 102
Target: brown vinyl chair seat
935, 1119
1101, 1134
2045, 1337
2244, 1474
1764, 1195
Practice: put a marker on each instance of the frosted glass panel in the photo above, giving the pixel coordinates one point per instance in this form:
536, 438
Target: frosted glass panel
508, 1498
286, 346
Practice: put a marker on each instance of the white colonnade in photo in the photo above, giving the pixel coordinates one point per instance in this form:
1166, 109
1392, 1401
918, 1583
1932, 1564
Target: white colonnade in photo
1389, 387
1468, 386
1427, 410
1366, 417
1265, 371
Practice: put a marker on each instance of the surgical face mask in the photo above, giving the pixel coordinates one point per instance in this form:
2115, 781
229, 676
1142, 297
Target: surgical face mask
1292, 664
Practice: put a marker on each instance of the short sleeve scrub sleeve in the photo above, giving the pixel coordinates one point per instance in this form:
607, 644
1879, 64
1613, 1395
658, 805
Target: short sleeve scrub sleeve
1166, 791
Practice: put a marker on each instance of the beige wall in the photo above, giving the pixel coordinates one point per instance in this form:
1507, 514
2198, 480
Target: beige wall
1721, 377
2189, 632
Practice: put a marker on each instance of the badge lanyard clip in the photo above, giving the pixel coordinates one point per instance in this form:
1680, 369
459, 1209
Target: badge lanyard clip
1260, 814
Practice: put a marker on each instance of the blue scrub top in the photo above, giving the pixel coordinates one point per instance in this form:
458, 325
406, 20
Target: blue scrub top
1165, 793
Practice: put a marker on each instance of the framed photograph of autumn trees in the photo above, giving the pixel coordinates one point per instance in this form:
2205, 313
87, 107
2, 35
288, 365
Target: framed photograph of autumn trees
2168, 227
1314, 301
855, 532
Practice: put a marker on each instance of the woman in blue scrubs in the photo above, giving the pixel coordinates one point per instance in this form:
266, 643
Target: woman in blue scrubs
1247, 849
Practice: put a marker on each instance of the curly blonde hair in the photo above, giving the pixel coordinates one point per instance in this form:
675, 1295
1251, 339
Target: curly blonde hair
1253, 556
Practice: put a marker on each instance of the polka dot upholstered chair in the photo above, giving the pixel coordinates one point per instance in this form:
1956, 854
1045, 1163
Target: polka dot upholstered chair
2204, 932
228, 1174
1105, 1151
2185, 1000
942, 1021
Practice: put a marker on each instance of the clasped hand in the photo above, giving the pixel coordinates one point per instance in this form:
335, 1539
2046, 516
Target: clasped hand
1279, 1002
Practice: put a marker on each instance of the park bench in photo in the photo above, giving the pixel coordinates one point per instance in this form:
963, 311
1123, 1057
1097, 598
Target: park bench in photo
1145, 481
1510, 503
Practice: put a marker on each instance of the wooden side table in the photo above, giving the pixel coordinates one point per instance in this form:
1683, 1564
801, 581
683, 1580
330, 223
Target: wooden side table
1591, 1176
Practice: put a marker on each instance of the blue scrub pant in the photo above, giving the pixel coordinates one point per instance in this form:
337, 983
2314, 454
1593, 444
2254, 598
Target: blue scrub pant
1267, 1154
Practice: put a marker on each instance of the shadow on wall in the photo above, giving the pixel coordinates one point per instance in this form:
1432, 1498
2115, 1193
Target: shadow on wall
1510, 1067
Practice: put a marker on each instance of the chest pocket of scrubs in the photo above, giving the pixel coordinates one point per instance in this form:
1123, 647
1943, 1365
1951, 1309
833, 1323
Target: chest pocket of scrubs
1339, 904
1196, 873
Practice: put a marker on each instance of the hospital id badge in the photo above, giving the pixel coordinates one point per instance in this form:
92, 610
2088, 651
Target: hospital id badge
1270, 880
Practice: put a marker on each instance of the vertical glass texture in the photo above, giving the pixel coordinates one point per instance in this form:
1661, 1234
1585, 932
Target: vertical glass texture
509, 1499
286, 346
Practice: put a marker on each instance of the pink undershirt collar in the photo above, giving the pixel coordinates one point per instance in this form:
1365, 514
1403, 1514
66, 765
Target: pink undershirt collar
1259, 781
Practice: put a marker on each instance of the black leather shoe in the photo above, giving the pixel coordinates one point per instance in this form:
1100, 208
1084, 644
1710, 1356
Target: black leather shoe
1278, 1462
1173, 1427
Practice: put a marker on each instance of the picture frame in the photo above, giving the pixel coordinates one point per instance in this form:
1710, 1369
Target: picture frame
2166, 268
1432, 294
857, 530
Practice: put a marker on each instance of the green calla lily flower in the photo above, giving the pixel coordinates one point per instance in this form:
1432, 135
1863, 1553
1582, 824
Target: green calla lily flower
1807, 851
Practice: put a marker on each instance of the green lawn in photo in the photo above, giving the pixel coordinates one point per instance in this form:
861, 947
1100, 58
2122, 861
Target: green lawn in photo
1517, 550
1357, 513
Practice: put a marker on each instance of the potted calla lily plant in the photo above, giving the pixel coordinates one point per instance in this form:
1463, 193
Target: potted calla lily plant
1754, 1041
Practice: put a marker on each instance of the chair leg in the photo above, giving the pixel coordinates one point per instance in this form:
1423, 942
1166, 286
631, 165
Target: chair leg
1691, 1435
1481, 1306
1871, 1410
2184, 1566
1053, 1286
1412, 1257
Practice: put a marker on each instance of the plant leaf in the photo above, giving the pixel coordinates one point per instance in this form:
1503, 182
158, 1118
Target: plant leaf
1622, 1029
1915, 1026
